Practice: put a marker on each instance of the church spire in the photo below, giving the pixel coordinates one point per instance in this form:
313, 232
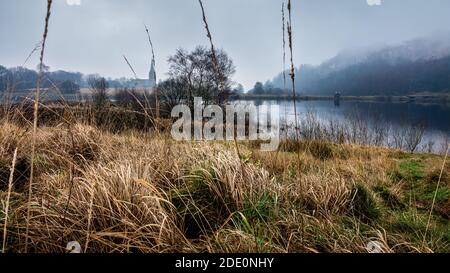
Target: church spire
152, 75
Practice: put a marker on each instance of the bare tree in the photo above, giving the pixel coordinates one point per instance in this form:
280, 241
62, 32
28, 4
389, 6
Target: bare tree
379, 130
398, 138
172, 93
413, 137
196, 72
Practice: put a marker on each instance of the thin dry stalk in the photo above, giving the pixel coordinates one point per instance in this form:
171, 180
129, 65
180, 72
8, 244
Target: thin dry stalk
35, 120
284, 47
213, 50
292, 73
150, 41
11, 179
130, 66
284, 60
294, 96
35, 49
435, 196
134, 96
217, 68
156, 88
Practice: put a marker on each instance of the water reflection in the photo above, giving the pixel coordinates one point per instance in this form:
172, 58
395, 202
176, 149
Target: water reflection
398, 120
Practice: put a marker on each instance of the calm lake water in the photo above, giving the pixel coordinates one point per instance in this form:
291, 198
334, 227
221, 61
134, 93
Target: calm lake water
397, 116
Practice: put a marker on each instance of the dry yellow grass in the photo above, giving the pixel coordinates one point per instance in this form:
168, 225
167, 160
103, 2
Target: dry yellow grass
137, 192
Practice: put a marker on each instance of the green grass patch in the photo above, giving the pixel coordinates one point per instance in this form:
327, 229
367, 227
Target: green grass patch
254, 213
442, 195
413, 225
410, 221
412, 169
263, 209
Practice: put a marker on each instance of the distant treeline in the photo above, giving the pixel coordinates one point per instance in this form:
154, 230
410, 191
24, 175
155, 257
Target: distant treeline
20, 79
371, 78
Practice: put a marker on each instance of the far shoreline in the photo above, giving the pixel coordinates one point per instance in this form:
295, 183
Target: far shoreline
435, 98
432, 98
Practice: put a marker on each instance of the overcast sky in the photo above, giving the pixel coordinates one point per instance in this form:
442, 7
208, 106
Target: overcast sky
93, 36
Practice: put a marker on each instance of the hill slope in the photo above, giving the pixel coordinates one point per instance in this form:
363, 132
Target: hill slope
421, 65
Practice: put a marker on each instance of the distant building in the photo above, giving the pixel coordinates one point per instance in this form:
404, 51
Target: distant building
152, 75
148, 84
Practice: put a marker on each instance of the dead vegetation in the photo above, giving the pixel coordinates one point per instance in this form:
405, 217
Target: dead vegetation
136, 192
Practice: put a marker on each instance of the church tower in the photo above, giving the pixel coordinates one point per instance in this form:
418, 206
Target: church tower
152, 75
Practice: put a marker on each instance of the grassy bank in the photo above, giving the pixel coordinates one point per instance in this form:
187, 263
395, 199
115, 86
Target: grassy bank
143, 192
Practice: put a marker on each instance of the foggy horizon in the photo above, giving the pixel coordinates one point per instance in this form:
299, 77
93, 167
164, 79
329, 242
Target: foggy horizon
92, 37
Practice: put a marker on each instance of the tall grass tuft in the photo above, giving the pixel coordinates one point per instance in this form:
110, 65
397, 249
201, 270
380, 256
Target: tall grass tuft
35, 118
